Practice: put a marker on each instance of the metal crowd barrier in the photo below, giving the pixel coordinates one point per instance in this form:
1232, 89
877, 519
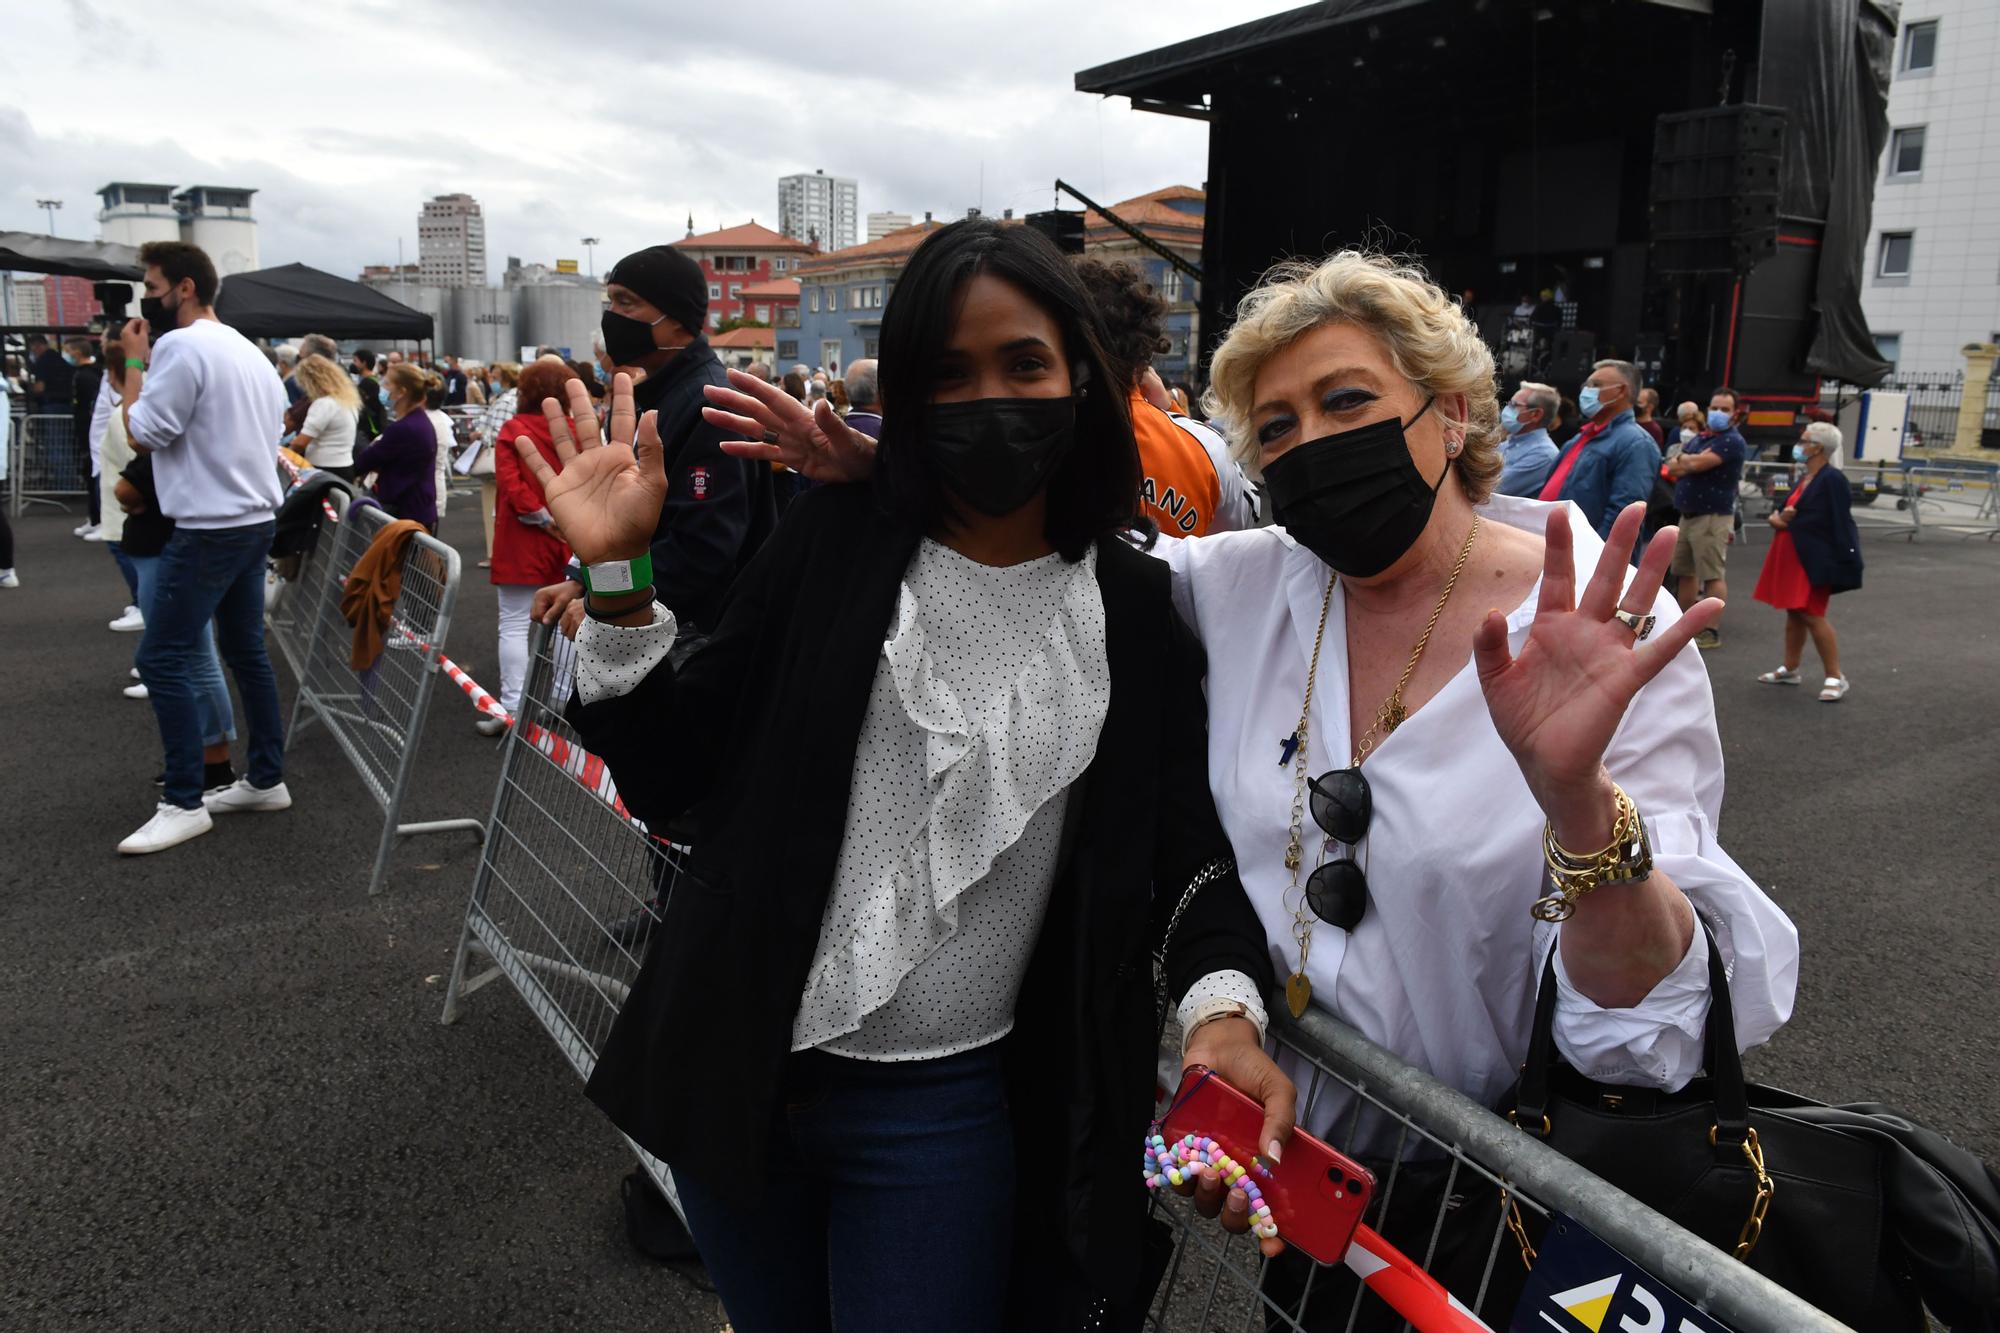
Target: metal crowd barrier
1438, 1144
1978, 483
377, 716
562, 901
50, 464
292, 602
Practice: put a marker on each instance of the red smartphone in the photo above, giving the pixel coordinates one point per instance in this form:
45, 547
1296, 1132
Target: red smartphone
1317, 1195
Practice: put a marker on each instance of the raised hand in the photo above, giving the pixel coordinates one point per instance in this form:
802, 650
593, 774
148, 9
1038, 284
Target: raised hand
606, 500
778, 428
1557, 705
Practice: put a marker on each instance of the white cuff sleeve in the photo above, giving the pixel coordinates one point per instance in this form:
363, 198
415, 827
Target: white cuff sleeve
1225, 985
611, 660
1656, 1043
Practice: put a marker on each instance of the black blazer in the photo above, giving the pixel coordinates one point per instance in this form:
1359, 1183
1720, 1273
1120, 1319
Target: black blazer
1824, 534
755, 734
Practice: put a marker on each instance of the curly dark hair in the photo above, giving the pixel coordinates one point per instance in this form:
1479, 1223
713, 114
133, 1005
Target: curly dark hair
1134, 318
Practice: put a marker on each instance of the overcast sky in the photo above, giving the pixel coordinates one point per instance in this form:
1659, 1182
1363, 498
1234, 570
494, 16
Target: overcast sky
346, 116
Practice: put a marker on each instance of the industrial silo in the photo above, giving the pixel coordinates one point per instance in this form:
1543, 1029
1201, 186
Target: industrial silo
562, 315
479, 325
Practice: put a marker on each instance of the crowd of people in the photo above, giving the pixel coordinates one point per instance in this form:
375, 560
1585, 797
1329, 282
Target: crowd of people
937, 609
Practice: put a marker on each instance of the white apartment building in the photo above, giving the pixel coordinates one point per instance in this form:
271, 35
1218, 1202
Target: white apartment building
821, 208
451, 242
1932, 283
881, 224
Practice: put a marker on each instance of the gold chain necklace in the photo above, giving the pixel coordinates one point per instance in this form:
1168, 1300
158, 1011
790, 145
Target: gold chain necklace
1392, 714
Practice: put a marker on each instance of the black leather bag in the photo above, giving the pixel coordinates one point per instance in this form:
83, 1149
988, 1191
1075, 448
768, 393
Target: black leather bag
1823, 1232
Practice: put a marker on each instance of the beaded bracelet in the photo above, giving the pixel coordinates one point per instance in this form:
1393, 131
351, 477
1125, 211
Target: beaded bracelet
1181, 1162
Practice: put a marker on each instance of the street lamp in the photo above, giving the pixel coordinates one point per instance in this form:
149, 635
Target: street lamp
589, 244
50, 206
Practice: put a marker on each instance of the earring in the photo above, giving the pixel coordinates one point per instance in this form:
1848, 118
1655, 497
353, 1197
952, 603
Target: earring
1451, 448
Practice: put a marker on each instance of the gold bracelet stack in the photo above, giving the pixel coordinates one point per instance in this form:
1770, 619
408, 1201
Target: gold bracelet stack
1627, 860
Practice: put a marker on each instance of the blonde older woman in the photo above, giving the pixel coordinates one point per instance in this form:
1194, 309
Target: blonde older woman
1406, 690
333, 408
1466, 700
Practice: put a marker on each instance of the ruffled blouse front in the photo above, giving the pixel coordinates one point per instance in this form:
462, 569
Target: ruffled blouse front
988, 699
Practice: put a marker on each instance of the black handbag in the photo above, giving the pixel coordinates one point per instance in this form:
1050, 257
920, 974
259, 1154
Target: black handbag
1801, 1202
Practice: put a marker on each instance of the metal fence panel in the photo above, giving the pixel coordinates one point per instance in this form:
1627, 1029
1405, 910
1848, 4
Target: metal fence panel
377, 716
293, 600
563, 902
50, 462
1444, 1154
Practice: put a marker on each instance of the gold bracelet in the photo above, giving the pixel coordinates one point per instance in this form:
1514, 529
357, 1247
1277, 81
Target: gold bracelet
1627, 859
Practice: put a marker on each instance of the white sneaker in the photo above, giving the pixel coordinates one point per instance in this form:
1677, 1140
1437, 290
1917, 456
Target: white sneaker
136, 675
138, 691
490, 726
96, 535
9, 579
84, 529
240, 797
170, 826
131, 622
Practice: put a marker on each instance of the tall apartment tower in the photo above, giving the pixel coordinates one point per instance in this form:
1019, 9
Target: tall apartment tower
821, 208
451, 242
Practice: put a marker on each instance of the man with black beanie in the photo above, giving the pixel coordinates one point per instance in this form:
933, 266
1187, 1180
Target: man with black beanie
719, 509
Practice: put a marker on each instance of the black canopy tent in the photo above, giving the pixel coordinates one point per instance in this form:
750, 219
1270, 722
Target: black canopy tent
100, 261
26, 252
297, 299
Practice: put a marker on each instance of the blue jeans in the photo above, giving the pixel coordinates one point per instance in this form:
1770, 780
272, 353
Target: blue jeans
211, 692
211, 575
889, 1204
125, 568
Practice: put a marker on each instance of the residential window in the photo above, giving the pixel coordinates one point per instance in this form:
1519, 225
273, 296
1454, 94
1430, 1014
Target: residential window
788, 316
1906, 152
1889, 346
812, 299
715, 291
735, 290
788, 349
1920, 47
715, 319
778, 265
1170, 286
763, 314
1892, 260
873, 345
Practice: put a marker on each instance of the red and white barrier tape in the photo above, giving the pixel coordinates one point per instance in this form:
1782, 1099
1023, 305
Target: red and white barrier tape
1413, 1293
570, 757
326, 506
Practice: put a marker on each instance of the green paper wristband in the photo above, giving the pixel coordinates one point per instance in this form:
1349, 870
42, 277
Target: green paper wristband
134, 363
610, 577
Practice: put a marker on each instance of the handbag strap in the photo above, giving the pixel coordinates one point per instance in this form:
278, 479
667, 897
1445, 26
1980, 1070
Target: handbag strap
1724, 1062
1214, 870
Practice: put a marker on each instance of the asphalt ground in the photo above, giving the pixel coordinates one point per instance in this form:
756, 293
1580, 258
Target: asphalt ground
226, 1100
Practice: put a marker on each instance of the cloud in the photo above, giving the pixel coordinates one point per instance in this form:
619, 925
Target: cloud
346, 116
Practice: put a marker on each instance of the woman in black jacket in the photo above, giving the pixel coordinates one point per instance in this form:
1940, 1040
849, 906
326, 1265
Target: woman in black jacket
1816, 553
946, 747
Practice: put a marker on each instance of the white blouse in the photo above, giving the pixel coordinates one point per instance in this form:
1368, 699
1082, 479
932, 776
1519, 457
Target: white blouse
989, 695
1442, 969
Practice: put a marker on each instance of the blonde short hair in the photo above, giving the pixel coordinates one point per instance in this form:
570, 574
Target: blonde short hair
1429, 339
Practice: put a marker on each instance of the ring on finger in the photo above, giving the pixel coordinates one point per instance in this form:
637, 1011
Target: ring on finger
770, 437
1640, 625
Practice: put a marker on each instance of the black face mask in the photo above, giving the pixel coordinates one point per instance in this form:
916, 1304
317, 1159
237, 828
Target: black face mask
627, 340
160, 317
1355, 499
995, 453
